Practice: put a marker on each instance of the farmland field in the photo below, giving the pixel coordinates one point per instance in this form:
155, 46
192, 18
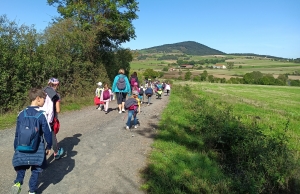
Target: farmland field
242, 65
274, 108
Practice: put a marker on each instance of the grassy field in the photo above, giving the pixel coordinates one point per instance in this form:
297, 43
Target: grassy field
263, 65
216, 138
274, 108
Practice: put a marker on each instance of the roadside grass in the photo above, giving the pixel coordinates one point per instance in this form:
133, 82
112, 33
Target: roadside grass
205, 145
179, 163
8, 120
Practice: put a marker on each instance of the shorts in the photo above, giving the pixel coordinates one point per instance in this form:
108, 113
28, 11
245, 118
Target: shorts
121, 97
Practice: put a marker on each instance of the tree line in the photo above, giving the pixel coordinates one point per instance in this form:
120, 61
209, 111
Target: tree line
81, 47
255, 77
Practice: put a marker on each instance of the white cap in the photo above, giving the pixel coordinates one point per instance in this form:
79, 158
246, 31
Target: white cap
99, 83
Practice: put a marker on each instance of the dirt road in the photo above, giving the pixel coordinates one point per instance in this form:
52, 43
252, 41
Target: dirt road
100, 155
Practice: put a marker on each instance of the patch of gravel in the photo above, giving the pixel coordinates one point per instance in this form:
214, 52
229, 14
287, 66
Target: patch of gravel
100, 155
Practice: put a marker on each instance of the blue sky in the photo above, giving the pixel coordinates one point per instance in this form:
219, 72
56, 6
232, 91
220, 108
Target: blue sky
267, 27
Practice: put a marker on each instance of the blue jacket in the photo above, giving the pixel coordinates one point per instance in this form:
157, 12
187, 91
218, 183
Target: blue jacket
115, 88
37, 158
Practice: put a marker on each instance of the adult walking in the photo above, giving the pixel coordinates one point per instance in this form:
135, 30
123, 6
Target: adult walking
121, 87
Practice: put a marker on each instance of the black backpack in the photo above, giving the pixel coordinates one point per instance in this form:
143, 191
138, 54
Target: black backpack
141, 92
121, 84
28, 132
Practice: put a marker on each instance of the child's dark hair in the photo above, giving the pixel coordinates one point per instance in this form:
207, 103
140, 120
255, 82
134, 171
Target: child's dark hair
35, 92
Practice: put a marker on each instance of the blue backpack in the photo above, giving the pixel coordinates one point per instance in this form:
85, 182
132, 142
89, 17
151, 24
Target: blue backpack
28, 133
149, 91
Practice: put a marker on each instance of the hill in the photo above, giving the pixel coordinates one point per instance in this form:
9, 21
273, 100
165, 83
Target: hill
187, 47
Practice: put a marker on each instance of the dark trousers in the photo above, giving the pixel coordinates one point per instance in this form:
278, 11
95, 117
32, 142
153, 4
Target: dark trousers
33, 181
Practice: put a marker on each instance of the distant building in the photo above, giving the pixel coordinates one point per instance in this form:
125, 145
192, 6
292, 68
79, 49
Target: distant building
219, 66
187, 66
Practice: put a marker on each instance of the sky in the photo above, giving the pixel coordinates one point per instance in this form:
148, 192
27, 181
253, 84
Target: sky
266, 27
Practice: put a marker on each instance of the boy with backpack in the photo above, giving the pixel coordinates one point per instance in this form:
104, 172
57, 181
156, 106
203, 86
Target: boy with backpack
32, 130
132, 104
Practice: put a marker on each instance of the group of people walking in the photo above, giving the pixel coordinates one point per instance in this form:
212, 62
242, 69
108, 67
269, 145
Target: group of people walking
38, 124
125, 89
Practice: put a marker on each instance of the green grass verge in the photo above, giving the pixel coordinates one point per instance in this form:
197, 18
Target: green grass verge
210, 141
8, 120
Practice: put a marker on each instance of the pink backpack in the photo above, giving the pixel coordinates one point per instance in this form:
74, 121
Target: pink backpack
106, 95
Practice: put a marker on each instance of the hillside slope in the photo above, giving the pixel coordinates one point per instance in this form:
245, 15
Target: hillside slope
187, 47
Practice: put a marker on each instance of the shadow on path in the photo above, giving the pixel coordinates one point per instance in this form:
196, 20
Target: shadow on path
57, 169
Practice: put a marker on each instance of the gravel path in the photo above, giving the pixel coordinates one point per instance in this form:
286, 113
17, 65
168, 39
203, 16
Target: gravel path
100, 155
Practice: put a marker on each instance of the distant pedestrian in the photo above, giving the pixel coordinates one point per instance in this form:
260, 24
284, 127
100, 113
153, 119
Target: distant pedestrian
32, 142
134, 107
121, 88
168, 88
134, 79
149, 93
98, 93
106, 97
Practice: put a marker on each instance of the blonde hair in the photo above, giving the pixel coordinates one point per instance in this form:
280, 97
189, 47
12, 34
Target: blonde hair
121, 71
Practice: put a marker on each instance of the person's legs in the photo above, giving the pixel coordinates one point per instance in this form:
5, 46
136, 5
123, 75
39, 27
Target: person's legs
130, 113
123, 101
57, 150
54, 142
134, 120
20, 170
149, 100
33, 181
106, 106
119, 101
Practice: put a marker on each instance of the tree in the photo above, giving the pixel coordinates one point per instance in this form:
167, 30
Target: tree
150, 73
230, 65
111, 20
165, 69
187, 75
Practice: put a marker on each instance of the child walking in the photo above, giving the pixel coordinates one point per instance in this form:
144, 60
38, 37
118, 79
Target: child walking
134, 107
106, 97
149, 93
98, 93
53, 100
36, 159
168, 88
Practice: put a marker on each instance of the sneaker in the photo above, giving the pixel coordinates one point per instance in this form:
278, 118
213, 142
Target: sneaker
31, 193
59, 153
135, 126
120, 111
105, 112
127, 127
16, 188
123, 110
